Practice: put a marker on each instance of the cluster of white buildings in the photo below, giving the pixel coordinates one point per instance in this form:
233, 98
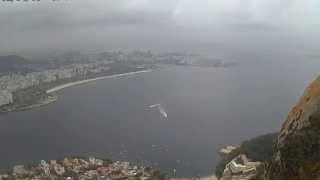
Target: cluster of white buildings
15, 81
82, 169
241, 168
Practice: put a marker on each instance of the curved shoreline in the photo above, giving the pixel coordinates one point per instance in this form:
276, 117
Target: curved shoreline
50, 99
63, 86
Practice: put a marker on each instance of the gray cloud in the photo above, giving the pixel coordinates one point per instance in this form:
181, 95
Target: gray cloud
159, 24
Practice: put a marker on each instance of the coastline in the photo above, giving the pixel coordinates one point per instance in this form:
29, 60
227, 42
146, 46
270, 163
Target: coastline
63, 86
49, 100
50, 97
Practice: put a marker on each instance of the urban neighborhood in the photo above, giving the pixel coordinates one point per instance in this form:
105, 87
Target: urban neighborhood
80, 168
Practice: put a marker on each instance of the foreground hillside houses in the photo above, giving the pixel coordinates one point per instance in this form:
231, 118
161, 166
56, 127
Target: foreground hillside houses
82, 169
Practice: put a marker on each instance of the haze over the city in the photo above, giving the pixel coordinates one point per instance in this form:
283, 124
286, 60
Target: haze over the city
182, 25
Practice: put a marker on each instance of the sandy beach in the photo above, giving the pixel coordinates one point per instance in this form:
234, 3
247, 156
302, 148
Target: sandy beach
58, 88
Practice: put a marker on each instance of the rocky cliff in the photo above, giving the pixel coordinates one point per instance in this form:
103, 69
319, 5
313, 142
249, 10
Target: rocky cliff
297, 148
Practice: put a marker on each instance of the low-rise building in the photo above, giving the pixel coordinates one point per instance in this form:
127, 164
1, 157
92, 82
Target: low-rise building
19, 170
5, 97
240, 168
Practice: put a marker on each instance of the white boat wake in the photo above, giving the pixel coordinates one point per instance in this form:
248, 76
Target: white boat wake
154, 105
161, 110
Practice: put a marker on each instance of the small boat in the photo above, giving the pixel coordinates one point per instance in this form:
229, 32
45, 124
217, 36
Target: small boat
161, 110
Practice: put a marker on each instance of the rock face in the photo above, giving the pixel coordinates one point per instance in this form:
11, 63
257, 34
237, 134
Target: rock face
297, 148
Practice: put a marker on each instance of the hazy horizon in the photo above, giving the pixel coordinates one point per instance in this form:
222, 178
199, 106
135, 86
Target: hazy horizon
33, 28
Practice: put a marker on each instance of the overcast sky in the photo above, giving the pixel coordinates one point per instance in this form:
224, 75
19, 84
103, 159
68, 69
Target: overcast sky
157, 24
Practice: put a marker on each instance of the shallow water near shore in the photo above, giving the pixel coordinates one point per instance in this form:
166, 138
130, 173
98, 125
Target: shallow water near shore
207, 108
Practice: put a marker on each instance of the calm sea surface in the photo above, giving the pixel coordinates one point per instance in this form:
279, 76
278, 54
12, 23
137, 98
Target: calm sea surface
207, 108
